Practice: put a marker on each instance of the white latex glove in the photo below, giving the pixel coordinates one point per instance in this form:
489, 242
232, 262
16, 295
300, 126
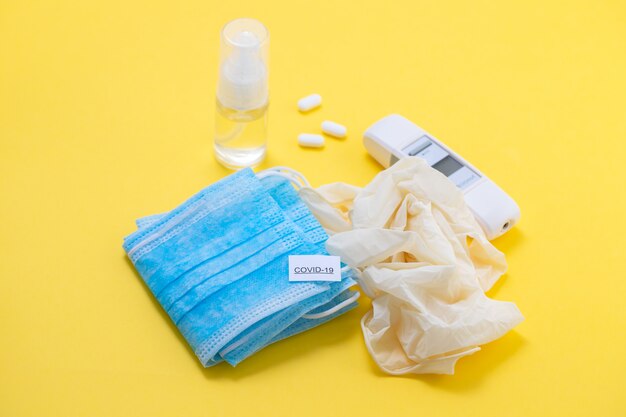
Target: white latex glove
424, 261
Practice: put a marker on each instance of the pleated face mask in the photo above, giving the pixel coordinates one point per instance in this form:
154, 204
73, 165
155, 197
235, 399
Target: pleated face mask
218, 265
311, 312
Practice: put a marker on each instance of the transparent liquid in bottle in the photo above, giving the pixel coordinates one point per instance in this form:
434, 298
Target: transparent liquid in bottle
240, 136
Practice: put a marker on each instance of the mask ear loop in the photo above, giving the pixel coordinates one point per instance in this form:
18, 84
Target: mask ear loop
297, 174
291, 179
333, 309
296, 178
339, 306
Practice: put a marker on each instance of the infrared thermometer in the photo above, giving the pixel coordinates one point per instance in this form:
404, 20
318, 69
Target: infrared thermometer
395, 137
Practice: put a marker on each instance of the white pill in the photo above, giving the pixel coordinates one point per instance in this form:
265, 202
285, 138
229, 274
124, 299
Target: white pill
309, 102
310, 140
334, 129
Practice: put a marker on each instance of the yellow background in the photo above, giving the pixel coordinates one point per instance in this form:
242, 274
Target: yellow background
106, 114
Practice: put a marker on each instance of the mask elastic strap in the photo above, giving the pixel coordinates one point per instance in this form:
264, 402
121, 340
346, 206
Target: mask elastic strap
333, 309
296, 178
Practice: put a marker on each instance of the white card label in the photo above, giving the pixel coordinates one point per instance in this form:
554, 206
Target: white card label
304, 268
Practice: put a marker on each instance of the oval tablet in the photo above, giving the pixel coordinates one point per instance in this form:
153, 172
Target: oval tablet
310, 140
334, 129
309, 102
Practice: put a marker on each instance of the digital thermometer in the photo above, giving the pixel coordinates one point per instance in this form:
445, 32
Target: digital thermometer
395, 137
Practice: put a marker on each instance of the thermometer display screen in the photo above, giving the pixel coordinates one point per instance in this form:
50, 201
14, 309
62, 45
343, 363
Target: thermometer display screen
448, 166
438, 158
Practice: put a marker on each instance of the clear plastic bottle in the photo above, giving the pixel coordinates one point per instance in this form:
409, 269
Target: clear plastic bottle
242, 94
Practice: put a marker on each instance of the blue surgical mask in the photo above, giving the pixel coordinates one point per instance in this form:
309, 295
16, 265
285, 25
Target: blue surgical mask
218, 264
313, 311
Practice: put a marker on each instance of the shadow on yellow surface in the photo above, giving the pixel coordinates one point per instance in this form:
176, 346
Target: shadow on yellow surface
508, 242
472, 370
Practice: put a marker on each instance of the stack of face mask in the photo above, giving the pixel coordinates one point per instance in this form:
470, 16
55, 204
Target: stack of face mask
218, 264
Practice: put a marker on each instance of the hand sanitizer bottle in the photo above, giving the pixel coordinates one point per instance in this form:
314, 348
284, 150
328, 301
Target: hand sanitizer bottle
242, 94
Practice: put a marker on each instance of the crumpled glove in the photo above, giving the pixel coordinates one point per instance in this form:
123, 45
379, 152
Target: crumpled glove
424, 261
